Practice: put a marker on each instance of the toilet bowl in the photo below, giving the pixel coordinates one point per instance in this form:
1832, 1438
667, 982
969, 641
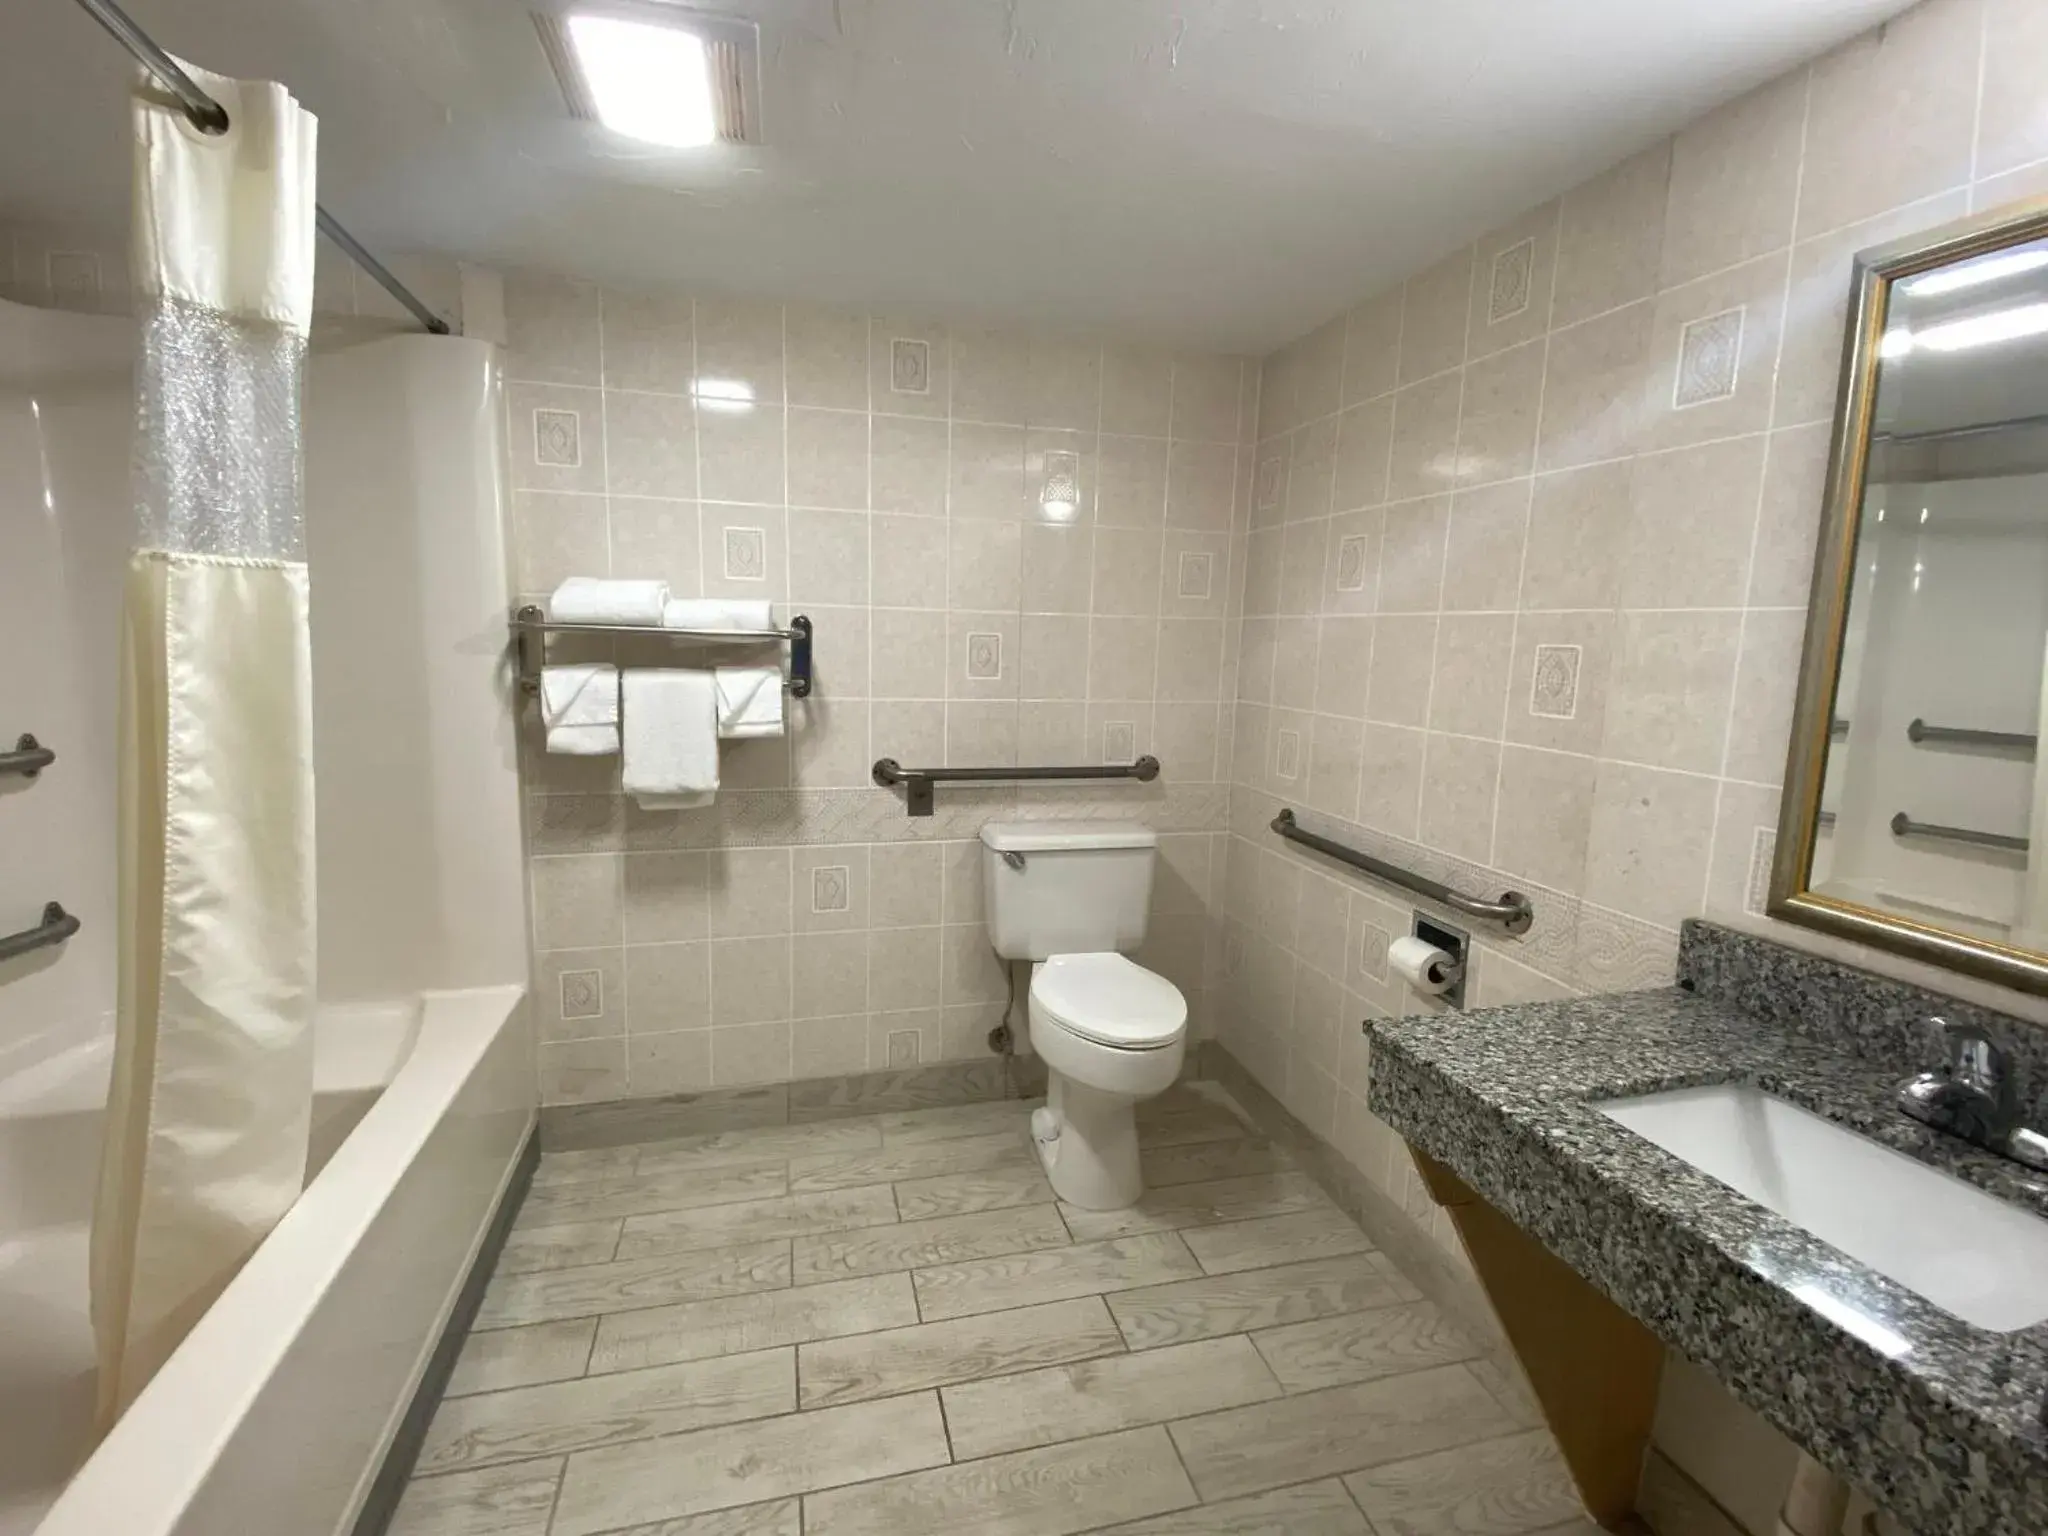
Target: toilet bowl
1110, 1033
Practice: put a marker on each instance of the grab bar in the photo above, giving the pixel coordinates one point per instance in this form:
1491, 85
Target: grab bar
1965, 736
57, 926
917, 782
1512, 911
29, 757
1905, 826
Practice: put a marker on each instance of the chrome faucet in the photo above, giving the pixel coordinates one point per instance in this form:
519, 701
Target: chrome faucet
1972, 1094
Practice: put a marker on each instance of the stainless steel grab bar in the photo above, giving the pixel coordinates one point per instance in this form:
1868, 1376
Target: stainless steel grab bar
57, 926
917, 782
1512, 911
29, 757
1965, 736
1905, 826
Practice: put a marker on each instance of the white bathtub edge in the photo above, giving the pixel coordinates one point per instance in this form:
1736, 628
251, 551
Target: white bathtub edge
146, 1474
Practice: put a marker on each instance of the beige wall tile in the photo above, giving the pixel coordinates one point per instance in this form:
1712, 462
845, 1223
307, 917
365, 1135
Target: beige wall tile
740, 340
551, 329
1425, 437
668, 987
1470, 675
654, 539
1483, 562
555, 437
1924, 68
1647, 849
1713, 356
649, 341
1557, 688
650, 444
1200, 478
1511, 282
826, 352
1497, 427
1667, 702
1692, 515
1458, 784
1434, 308
1130, 474
1611, 237
1593, 387
577, 902
909, 366
1734, 178
1544, 816
749, 980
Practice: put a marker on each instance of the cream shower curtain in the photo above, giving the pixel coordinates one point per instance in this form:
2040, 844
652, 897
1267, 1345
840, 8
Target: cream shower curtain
205, 1144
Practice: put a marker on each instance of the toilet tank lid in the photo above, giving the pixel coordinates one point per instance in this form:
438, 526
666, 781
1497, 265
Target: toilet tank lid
1049, 836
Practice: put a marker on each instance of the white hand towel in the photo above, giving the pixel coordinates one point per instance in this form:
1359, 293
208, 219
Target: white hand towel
716, 613
598, 600
583, 740
580, 695
671, 738
749, 702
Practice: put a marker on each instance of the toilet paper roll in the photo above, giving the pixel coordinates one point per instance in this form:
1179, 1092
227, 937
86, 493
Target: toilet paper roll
1422, 965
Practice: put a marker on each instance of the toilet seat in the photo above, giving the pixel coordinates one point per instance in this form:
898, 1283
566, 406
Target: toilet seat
1109, 1002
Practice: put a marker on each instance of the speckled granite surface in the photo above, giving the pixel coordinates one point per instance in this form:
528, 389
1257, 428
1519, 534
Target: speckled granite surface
1940, 1421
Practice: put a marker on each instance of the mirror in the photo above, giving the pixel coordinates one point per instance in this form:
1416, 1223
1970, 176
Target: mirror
1915, 784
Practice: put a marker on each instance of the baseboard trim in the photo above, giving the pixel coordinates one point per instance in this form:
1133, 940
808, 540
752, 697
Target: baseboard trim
388, 1486
617, 1122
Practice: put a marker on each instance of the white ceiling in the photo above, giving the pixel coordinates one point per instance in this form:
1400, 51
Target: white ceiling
1207, 172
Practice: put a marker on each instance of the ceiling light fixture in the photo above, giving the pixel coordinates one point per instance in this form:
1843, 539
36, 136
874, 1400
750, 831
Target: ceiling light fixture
657, 73
1989, 269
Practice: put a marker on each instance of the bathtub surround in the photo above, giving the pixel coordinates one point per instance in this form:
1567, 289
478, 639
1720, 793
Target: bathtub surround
208, 1119
1016, 548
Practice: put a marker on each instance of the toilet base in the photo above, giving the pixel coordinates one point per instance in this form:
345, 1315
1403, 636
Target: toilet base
1092, 1161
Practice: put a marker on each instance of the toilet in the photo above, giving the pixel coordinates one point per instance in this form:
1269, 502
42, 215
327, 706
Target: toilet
1069, 896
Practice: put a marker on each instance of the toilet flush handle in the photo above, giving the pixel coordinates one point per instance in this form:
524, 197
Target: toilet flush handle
1013, 858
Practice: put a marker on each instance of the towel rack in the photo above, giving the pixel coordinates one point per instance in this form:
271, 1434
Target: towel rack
531, 627
1965, 736
1513, 911
1905, 826
29, 757
57, 926
917, 782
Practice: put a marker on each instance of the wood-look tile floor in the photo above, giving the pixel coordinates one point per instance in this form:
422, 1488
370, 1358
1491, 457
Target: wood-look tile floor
889, 1325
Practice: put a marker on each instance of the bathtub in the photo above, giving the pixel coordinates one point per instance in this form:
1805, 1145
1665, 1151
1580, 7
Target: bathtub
275, 1414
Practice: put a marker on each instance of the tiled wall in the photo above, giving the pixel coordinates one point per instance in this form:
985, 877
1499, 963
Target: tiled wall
886, 476
1531, 538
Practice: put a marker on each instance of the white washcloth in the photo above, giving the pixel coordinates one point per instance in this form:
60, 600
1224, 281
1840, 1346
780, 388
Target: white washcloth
671, 738
583, 740
580, 695
749, 702
716, 613
599, 600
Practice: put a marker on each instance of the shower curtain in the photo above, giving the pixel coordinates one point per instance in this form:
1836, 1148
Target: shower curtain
205, 1142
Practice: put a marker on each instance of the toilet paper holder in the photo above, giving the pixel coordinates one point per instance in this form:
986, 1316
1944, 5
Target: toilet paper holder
1454, 942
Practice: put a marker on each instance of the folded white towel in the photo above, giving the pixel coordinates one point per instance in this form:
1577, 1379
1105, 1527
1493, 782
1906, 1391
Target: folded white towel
580, 695
671, 738
600, 600
749, 702
583, 740
716, 613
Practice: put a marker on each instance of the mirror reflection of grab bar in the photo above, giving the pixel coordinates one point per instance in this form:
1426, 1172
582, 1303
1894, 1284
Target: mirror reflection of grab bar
1905, 826
1965, 736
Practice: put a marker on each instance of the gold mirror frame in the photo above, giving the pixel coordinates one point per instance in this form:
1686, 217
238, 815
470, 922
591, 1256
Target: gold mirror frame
1834, 566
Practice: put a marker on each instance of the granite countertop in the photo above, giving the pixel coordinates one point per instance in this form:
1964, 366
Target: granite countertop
1938, 1420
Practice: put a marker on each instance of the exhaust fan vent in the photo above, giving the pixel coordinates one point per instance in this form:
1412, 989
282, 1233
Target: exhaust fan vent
731, 55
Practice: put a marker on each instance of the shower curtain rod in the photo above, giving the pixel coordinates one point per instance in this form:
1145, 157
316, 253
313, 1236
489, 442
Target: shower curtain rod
209, 116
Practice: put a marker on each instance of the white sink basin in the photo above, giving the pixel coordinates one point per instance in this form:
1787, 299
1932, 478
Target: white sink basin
1968, 1252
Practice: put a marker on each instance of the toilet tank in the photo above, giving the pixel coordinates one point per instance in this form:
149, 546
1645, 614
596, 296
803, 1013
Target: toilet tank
1066, 887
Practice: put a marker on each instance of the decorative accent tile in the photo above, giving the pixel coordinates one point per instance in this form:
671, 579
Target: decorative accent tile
1351, 563
903, 1047
1554, 682
74, 278
1286, 754
1709, 353
746, 554
910, 368
1512, 283
984, 657
582, 994
830, 884
557, 438
1120, 741
1373, 943
1763, 852
1267, 490
1196, 574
